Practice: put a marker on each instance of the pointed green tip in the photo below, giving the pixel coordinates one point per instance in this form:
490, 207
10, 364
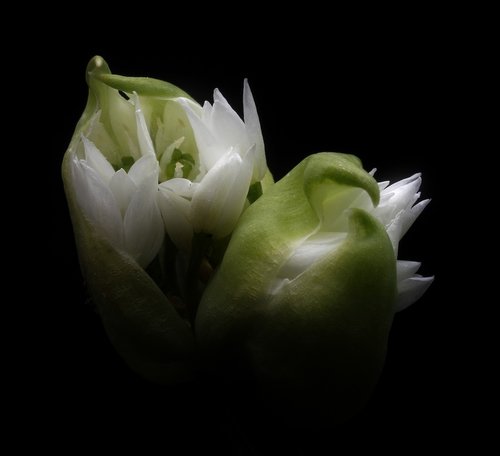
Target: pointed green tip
361, 223
97, 65
325, 168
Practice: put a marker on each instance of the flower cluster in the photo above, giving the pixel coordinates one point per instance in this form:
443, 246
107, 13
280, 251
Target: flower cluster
183, 235
174, 160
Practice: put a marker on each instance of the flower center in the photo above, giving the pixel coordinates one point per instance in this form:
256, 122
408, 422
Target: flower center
180, 165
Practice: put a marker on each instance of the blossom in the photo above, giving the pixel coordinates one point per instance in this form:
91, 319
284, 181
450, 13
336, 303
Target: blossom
310, 307
136, 172
195, 257
396, 211
231, 159
120, 204
111, 173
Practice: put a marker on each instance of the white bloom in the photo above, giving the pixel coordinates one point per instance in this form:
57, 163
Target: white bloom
121, 205
231, 158
396, 211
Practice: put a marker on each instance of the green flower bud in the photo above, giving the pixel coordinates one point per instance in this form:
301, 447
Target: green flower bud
308, 287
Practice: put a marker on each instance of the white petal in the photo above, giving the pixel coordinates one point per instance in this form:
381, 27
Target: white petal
394, 230
179, 186
145, 143
206, 113
175, 212
221, 99
144, 168
398, 227
123, 188
406, 269
219, 199
228, 128
309, 252
383, 185
254, 131
403, 182
96, 160
412, 215
205, 140
143, 225
410, 290
97, 202
396, 198
185, 102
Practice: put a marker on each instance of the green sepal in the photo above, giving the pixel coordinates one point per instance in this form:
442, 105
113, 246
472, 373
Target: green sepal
147, 87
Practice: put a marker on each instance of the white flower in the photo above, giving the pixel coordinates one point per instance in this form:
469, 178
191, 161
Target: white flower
396, 211
231, 158
121, 205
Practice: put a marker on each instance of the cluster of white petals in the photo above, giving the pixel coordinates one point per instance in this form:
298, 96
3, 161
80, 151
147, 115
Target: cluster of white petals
182, 194
232, 157
133, 209
397, 210
122, 205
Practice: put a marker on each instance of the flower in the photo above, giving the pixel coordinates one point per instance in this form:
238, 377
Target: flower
111, 173
136, 172
310, 307
121, 205
188, 251
231, 159
396, 211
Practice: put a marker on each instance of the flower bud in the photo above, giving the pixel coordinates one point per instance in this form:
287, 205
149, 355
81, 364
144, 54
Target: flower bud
110, 175
307, 289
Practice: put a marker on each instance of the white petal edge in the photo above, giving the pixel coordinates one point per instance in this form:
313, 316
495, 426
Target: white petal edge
144, 168
143, 225
175, 212
410, 290
180, 186
220, 197
123, 188
227, 128
254, 131
97, 202
96, 160
406, 269
205, 140
145, 143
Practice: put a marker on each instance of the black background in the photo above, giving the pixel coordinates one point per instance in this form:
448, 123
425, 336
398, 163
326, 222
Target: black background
387, 95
